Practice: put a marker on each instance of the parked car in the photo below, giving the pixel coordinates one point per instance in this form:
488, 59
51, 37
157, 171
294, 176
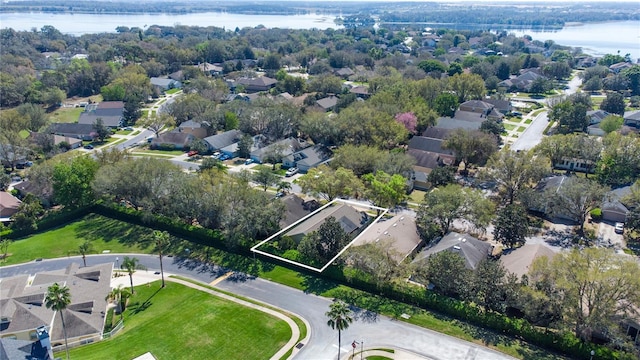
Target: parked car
192, 153
88, 147
619, 228
224, 157
292, 171
216, 155
248, 161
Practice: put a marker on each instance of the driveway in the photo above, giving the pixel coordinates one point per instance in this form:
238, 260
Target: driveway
374, 329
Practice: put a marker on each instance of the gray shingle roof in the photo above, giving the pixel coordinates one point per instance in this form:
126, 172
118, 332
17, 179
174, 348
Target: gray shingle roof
470, 248
224, 139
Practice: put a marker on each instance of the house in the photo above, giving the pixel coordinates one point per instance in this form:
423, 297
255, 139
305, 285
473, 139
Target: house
164, 84
575, 164
618, 67
38, 349
174, 140
295, 208
614, 208
194, 128
84, 132
398, 234
24, 312
503, 106
308, 158
483, 108
344, 73
261, 153
471, 249
210, 69
518, 261
360, 91
521, 82
9, 205
538, 202
461, 120
261, 83
111, 113
350, 220
219, 141
177, 76
632, 118
596, 116
328, 103
428, 154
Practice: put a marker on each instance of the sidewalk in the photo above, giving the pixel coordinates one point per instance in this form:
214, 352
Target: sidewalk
397, 354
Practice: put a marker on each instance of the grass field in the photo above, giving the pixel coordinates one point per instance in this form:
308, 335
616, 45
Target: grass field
509, 127
117, 236
537, 112
104, 234
528, 121
66, 115
521, 129
172, 91
178, 322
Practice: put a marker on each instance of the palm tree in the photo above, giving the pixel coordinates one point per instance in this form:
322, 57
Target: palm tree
131, 265
119, 295
339, 318
161, 240
84, 249
57, 299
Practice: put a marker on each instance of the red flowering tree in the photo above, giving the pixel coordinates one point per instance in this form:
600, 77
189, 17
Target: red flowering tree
409, 120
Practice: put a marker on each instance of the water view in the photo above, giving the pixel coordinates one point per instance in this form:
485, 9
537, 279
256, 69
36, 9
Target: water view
594, 38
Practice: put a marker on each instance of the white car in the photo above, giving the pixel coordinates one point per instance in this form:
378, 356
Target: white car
619, 228
292, 171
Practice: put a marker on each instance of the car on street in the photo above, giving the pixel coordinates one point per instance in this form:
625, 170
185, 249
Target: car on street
292, 171
619, 228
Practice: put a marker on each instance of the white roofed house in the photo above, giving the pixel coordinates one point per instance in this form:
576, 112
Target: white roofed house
399, 234
308, 158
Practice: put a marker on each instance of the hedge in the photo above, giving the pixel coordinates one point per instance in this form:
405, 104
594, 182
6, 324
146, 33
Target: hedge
565, 343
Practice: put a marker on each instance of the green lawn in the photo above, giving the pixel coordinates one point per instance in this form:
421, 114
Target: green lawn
178, 322
104, 234
164, 152
171, 91
528, 121
521, 129
536, 112
509, 127
124, 132
66, 115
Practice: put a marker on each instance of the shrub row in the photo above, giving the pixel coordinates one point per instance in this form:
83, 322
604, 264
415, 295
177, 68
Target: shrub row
565, 343
53, 218
176, 228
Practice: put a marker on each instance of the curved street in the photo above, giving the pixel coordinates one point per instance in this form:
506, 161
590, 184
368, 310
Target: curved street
375, 330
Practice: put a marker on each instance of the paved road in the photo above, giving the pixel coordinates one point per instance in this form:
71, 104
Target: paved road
141, 137
533, 134
376, 331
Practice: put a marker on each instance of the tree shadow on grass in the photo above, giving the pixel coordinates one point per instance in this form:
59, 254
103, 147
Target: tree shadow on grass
100, 227
315, 285
138, 307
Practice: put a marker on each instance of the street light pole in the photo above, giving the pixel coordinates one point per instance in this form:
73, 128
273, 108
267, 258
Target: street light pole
117, 262
592, 353
361, 348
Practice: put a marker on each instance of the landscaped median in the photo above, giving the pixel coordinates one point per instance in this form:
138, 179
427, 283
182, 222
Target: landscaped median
184, 321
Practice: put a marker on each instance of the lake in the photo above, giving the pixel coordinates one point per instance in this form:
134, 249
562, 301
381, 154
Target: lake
78, 24
594, 38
